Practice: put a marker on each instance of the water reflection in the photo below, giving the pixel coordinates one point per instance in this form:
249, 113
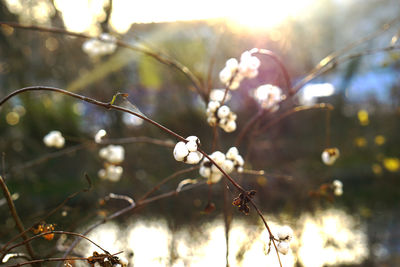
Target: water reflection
328, 237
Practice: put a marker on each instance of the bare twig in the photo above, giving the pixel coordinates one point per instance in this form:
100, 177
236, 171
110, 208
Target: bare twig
165, 180
14, 214
271, 236
249, 125
58, 233
156, 55
127, 209
332, 58
291, 112
47, 157
139, 139
50, 213
91, 101
278, 61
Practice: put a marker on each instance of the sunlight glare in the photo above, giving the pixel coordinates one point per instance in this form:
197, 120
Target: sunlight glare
334, 236
81, 16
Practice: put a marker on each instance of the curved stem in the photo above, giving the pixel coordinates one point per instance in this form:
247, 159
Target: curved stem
156, 55
58, 233
331, 63
332, 58
127, 209
248, 126
17, 219
91, 101
292, 111
278, 61
111, 106
165, 180
48, 260
271, 236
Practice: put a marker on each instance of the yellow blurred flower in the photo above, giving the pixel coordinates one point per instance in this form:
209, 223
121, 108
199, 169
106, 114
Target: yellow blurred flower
391, 164
360, 142
363, 117
380, 140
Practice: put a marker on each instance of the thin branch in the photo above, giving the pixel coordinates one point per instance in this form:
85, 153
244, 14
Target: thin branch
91, 101
127, 209
139, 139
58, 233
100, 257
14, 213
121, 197
332, 58
49, 260
111, 106
271, 236
50, 213
278, 61
333, 62
156, 55
165, 180
291, 112
69, 150
249, 125
47, 157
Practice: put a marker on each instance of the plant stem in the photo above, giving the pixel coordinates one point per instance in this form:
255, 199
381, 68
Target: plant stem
17, 219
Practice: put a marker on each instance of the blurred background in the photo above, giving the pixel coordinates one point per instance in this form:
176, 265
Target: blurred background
358, 228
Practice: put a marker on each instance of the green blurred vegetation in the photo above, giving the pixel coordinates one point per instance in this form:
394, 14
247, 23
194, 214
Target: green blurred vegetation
289, 152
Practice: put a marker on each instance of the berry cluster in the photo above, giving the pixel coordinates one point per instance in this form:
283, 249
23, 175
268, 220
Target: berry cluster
54, 139
113, 155
285, 235
187, 152
221, 116
228, 162
234, 72
337, 188
268, 96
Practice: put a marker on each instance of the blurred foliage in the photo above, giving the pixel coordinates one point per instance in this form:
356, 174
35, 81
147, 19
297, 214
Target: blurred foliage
289, 152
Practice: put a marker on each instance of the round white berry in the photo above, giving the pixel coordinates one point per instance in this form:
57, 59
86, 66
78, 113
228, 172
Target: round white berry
218, 157
232, 153
213, 106
338, 191
193, 158
239, 160
330, 155
337, 184
180, 151
230, 126
285, 233
205, 172
223, 111
283, 247
114, 173
99, 135
228, 166
192, 138
191, 146
215, 177
116, 154
102, 174
232, 64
